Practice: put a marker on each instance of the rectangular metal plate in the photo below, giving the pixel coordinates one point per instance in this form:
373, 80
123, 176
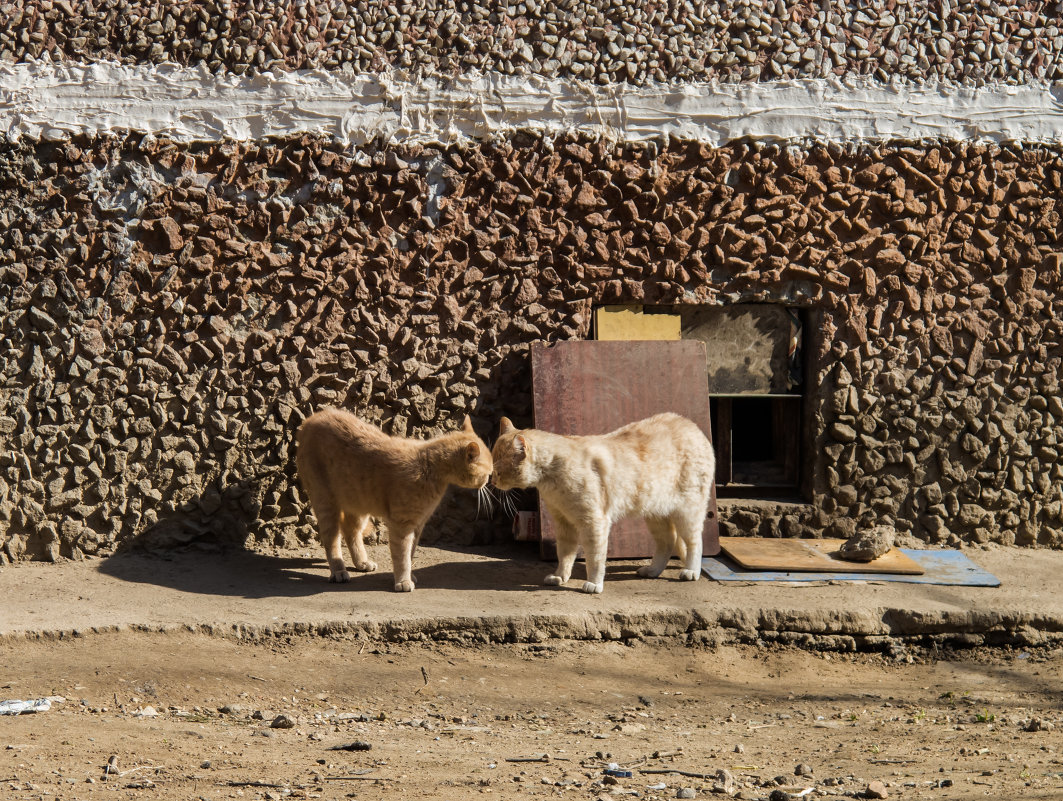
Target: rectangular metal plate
631, 323
591, 387
747, 346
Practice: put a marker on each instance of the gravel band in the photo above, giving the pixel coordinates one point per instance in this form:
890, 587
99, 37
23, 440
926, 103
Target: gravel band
169, 313
971, 41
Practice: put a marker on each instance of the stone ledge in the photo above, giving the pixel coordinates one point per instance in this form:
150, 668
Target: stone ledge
895, 627
485, 597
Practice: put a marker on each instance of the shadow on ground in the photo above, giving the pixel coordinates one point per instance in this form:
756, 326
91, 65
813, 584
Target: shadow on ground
209, 556
250, 574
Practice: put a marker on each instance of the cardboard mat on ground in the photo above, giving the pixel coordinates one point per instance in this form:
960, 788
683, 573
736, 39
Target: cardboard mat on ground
760, 553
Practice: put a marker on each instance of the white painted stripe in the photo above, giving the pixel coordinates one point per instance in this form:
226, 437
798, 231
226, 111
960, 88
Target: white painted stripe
57, 100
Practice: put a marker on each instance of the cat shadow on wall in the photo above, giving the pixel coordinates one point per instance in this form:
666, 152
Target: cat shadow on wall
507, 393
219, 520
459, 521
201, 547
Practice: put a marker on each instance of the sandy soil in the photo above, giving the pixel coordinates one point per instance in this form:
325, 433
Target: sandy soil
191, 717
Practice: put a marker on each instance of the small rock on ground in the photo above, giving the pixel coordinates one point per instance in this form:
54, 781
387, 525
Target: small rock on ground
868, 545
357, 745
875, 789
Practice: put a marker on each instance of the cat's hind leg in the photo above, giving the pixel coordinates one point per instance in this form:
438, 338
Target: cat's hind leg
688, 528
328, 531
401, 542
664, 544
567, 546
354, 529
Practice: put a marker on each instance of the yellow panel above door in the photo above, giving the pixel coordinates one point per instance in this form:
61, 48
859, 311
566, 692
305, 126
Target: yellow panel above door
630, 322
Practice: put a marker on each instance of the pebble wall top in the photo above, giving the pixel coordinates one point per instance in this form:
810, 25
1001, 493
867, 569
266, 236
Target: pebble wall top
603, 41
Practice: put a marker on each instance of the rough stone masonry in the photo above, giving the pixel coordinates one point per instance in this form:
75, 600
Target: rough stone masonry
170, 311
169, 314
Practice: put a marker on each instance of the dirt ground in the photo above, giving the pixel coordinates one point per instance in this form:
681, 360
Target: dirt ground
183, 716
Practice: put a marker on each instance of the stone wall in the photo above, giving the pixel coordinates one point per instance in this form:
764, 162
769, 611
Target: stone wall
170, 312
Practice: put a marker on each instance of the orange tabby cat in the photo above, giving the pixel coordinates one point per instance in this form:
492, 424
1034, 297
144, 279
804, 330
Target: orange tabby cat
660, 469
353, 471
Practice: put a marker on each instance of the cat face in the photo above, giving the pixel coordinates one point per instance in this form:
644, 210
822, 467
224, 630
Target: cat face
512, 468
476, 465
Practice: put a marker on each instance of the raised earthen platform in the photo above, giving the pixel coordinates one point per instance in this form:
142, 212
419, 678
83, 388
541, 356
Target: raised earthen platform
491, 595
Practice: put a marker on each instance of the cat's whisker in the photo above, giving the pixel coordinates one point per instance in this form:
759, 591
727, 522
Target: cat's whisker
509, 505
485, 501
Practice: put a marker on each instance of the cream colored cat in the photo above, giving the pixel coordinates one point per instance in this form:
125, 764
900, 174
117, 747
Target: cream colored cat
660, 469
353, 471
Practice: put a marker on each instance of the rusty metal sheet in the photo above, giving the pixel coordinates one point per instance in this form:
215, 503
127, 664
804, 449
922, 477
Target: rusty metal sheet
594, 387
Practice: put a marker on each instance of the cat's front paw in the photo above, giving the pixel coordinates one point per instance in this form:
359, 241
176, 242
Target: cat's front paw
404, 586
689, 575
553, 580
647, 571
340, 577
590, 586
365, 567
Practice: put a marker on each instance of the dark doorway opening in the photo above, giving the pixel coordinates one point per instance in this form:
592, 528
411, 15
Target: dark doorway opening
757, 441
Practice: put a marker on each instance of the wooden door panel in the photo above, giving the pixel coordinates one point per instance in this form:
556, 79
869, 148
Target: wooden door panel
594, 387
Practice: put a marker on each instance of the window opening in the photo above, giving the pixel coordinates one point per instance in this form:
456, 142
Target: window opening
756, 378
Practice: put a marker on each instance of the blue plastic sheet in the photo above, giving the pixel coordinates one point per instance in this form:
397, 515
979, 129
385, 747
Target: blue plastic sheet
947, 567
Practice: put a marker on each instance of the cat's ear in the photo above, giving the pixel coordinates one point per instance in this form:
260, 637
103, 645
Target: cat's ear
467, 425
520, 448
472, 450
505, 426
